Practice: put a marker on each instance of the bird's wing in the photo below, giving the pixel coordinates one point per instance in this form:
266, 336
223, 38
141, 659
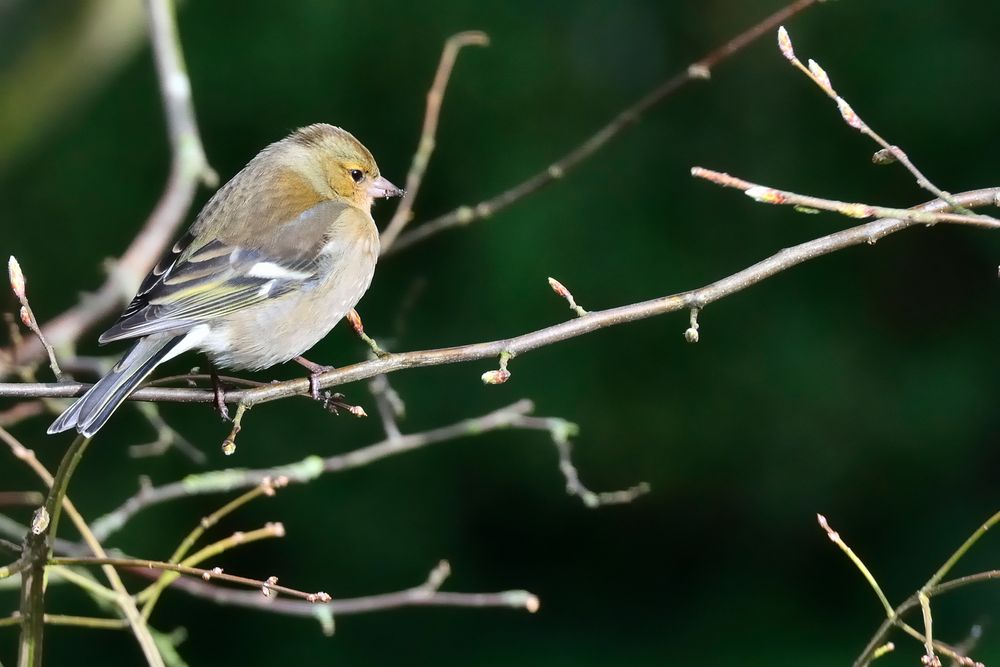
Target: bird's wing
199, 281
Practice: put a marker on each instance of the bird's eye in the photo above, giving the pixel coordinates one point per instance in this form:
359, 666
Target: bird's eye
357, 175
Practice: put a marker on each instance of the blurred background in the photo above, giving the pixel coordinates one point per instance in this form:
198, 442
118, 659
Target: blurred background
862, 385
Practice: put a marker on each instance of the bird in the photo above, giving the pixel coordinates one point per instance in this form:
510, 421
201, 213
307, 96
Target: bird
274, 260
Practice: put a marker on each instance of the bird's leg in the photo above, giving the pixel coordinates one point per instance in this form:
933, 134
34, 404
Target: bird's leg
220, 397
314, 371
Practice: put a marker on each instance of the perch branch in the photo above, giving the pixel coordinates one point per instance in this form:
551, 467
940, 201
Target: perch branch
867, 233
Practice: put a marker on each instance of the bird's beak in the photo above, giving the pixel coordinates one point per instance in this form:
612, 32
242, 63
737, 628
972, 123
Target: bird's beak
381, 187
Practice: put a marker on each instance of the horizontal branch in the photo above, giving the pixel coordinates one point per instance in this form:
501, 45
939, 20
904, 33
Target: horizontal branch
426, 594
867, 233
267, 587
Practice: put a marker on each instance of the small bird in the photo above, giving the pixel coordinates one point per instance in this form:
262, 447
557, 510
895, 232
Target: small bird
273, 261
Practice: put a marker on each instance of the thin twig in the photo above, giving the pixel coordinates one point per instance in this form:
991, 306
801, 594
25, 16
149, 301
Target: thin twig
20, 412
207, 575
426, 594
698, 70
19, 287
123, 599
188, 167
858, 563
30, 498
150, 595
561, 432
932, 587
389, 404
819, 76
768, 195
425, 148
167, 437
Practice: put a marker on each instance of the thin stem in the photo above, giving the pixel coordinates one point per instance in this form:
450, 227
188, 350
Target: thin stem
195, 572
425, 148
426, 594
123, 599
768, 195
151, 593
913, 601
961, 551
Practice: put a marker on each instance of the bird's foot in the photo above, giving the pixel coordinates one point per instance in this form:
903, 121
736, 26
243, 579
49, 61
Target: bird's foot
220, 398
314, 372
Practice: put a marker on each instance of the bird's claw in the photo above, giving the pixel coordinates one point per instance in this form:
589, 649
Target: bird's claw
220, 398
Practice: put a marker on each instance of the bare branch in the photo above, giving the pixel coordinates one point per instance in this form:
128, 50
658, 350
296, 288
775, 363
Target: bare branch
188, 167
58, 500
697, 70
167, 437
424, 595
20, 412
822, 80
768, 195
422, 156
562, 431
269, 584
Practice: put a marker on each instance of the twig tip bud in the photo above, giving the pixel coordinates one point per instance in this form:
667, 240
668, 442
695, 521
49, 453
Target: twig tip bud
785, 44
16, 278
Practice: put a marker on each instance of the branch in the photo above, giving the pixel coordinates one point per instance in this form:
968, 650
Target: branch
867, 233
768, 195
188, 167
700, 69
122, 599
422, 156
267, 586
888, 153
306, 470
424, 595
931, 588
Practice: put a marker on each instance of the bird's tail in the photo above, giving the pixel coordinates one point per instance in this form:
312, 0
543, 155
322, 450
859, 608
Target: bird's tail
94, 408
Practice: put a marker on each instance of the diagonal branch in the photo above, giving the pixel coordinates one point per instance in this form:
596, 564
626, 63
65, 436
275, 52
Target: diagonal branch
700, 69
867, 233
188, 167
422, 156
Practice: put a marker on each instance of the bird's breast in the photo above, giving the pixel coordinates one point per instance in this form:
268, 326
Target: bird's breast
285, 327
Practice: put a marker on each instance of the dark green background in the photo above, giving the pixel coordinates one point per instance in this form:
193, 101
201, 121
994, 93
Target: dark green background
862, 385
